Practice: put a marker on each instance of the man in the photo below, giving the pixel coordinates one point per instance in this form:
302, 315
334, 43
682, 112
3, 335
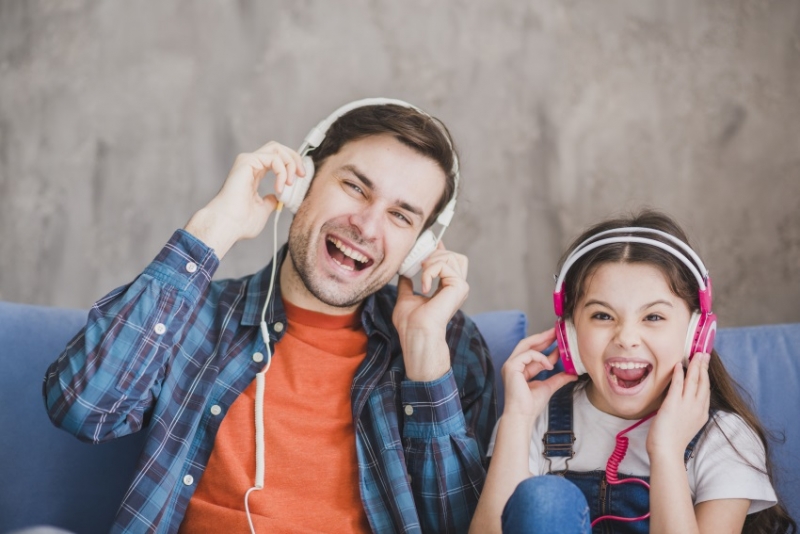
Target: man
375, 404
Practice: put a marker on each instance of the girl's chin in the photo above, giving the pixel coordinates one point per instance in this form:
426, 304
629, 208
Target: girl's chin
625, 406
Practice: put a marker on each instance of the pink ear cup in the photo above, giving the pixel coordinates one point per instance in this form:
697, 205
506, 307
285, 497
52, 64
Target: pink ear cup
700, 336
567, 341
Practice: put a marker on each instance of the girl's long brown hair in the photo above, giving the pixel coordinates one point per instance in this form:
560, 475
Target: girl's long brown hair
726, 394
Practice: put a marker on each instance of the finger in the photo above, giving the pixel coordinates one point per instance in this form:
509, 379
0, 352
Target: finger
443, 270
537, 342
535, 362
528, 363
270, 202
289, 162
704, 385
676, 386
692, 381
553, 383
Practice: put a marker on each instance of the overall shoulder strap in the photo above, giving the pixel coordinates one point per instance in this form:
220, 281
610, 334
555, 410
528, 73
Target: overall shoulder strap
559, 437
689, 452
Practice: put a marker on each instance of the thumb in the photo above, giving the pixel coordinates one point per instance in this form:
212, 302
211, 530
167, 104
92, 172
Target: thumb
271, 202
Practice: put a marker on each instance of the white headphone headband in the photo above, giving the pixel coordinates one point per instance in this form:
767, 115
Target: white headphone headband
583, 248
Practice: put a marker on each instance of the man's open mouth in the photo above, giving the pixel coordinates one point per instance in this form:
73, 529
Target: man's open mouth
345, 256
628, 374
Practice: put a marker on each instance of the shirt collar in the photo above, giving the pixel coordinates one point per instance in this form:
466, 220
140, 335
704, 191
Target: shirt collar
376, 314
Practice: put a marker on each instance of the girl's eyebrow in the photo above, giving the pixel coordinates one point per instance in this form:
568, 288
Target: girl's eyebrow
607, 305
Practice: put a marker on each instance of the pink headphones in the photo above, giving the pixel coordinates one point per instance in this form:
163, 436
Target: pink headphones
702, 326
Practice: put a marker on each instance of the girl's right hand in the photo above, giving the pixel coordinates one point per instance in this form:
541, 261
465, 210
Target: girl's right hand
524, 396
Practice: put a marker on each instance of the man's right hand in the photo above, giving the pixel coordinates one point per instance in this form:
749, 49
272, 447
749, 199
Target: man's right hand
238, 211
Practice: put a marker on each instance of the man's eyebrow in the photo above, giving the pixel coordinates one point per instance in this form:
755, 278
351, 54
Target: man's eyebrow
371, 186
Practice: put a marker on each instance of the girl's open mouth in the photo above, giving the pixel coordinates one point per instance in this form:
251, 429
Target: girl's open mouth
627, 374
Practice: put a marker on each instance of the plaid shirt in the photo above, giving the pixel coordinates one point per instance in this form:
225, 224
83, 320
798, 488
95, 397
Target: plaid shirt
161, 352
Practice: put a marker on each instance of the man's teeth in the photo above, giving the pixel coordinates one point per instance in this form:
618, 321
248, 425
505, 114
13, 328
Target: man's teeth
347, 251
628, 365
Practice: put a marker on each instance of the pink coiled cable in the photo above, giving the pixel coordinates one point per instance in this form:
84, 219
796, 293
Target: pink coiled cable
612, 469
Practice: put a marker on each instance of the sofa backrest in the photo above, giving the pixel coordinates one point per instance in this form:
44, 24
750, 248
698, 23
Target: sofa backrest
48, 476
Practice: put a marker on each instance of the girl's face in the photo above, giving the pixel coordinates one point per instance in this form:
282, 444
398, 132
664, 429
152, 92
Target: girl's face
631, 330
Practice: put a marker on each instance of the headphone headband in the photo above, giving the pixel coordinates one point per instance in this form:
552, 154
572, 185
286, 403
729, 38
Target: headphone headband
697, 269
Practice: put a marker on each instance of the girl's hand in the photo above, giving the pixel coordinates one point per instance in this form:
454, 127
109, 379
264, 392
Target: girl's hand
684, 410
524, 396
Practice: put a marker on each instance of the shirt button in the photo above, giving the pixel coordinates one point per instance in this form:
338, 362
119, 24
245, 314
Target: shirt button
409, 409
409, 479
278, 327
160, 328
188, 480
191, 267
258, 357
216, 410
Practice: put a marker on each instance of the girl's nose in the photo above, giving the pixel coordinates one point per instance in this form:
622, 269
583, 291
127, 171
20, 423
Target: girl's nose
627, 336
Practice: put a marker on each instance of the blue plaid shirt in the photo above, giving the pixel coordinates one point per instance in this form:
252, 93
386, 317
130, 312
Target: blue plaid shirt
161, 352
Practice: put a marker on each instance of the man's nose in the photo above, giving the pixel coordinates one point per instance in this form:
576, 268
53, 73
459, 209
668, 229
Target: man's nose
368, 221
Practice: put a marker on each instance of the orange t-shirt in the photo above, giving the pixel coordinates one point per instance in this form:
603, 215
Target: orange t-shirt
311, 469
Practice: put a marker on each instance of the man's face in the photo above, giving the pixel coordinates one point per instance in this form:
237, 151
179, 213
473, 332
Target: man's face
363, 213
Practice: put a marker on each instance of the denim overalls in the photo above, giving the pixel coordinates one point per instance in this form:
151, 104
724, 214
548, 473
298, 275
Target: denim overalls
622, 500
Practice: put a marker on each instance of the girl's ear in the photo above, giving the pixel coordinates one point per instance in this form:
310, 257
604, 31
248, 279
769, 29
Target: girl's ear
567, 339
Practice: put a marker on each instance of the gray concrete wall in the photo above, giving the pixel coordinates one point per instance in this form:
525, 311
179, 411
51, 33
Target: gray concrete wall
119, 119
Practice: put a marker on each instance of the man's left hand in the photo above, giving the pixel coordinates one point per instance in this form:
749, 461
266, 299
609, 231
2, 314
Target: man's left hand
421, 320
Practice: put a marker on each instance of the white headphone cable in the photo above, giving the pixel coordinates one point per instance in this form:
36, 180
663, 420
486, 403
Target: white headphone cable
259, 411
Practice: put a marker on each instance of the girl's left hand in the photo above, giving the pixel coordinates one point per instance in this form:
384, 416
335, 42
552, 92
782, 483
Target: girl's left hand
684, 410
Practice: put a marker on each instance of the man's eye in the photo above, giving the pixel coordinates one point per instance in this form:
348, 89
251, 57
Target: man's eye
355, 188
402, 218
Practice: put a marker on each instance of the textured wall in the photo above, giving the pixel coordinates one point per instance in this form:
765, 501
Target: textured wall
119, 119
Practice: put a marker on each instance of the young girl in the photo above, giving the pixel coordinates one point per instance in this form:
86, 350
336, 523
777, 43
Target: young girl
649, 433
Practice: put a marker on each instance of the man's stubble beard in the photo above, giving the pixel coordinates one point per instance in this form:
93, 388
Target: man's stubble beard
300, 248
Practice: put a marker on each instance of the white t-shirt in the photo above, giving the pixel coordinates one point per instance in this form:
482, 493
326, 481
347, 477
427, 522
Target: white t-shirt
716, 470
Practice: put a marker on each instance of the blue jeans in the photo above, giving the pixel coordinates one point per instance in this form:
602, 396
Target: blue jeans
546, 503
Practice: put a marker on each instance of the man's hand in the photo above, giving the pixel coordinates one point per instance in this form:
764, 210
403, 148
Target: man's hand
238, 211
526, 397
683, 412
421, 321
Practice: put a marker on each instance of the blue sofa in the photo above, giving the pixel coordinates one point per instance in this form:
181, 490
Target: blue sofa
49, 477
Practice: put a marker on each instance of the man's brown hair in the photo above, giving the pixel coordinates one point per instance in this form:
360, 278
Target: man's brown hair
419, 131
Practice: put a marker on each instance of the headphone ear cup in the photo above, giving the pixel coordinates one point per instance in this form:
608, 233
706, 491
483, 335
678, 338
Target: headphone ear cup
701, 334
293, 195
567, 340
423, 247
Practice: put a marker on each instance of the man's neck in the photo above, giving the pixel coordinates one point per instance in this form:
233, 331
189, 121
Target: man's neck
295, 291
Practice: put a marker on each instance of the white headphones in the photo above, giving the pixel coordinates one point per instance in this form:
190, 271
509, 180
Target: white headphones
293, 195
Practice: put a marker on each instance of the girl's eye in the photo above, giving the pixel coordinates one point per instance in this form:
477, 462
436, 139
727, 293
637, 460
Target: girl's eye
602, 316
654, 317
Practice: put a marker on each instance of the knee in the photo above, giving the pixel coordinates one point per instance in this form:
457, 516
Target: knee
541, 502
